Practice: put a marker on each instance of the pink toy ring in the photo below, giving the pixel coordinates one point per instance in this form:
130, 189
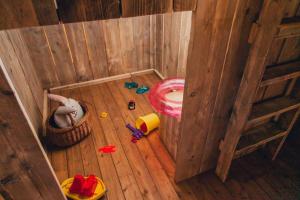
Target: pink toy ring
167, 96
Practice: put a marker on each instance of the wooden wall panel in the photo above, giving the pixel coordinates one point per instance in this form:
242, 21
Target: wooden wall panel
172, 41
215, 64
14, 55
25, 172
76, 52
132, 8
87, 10
181, 5
15, 14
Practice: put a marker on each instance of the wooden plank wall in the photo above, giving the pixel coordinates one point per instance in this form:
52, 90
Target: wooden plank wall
25, 172
24, 13
172, 40
87, 10
216, 60
17, 61
43, 57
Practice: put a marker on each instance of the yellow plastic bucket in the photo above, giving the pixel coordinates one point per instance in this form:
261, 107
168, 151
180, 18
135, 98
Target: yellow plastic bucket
150, 122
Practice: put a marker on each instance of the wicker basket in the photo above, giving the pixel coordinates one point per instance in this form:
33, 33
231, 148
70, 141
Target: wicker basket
64, 137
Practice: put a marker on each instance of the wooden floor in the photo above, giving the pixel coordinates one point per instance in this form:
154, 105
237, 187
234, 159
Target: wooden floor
145, 170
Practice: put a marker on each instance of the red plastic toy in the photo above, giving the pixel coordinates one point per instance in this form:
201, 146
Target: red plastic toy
89, 186
77, 184
108, 149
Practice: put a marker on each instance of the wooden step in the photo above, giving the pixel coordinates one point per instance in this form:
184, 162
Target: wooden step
253, 139
290, 29
271, 108
280, 73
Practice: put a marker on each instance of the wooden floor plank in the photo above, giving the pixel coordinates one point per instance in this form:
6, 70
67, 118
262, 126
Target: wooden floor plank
118, 107
159, 176
125, 173
146, 170
107, 167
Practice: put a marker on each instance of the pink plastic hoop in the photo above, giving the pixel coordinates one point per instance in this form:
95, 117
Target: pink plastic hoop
161, 103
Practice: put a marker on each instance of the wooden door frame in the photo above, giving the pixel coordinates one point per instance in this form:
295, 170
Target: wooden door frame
24, 163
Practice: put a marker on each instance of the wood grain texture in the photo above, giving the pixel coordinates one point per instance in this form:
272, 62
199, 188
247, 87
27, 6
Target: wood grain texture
182, 5
26, 82
24, 170
132, 8
87, 10
76, 52
203, 82
143, 167
172, 43
250, 82
17, 14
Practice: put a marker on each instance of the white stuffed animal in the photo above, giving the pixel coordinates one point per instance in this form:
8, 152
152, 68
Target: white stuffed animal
69, 108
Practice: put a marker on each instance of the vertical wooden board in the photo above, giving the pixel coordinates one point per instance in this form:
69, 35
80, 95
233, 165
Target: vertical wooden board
96, 48
110, 9
129, 55
131, 8
290, 50
138, 40
146, 41
30, 74
15, 72
113, 43
40, 55
78, 49
275, 51
167, 26
182, 5
185, 33
80, 10
26, 150
175, 44
230, 79
159, 43
153, 47
61, 53
211, 38
15, 14
291, 8
45, 11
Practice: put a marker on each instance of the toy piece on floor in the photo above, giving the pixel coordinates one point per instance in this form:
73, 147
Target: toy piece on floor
70, 110
131, 105
134, 139
103, 114
108, 149
142, 90
89, 186
131, 85
138, 134
147, 123
83, 188
77, 184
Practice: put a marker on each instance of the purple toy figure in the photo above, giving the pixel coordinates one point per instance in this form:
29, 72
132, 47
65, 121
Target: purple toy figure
135, 132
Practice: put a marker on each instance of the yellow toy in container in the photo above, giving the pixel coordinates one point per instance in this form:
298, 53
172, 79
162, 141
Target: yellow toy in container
147, 123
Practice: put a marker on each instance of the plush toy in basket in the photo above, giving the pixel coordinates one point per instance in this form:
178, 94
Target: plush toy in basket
68, 124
